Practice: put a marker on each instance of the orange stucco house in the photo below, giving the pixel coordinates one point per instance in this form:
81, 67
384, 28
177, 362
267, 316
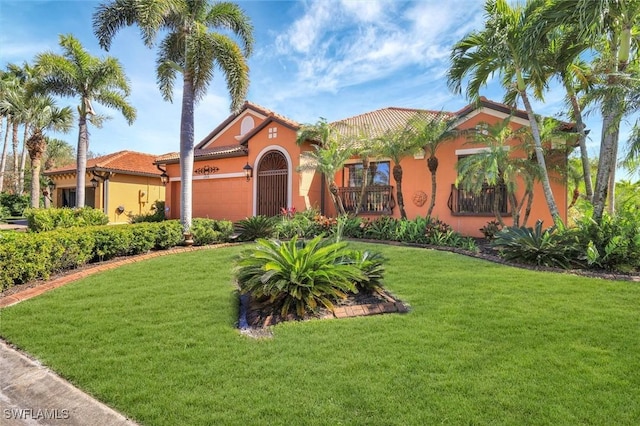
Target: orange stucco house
121, 184
265, 142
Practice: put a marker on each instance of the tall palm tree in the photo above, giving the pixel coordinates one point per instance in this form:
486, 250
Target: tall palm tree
14, 107
499, 49
195, 42
328, 157
76, 73
398, 143
431, 132
563, 61
610, 27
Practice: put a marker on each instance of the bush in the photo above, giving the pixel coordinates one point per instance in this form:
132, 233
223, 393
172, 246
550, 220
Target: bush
371, 265
300, 224
533, 245
168, 234
209, 231
156, 214
614, 244
13, 205
112, 241
491, 229
295, 276
253, 228
40, 220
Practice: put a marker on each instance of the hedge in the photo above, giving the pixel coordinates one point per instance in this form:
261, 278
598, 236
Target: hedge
37, 255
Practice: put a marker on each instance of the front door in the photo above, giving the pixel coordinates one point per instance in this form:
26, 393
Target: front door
272, 184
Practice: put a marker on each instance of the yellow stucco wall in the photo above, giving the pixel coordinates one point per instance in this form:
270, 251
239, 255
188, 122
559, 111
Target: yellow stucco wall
136, 194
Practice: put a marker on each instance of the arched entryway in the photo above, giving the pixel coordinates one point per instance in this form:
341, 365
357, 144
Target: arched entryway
271, 185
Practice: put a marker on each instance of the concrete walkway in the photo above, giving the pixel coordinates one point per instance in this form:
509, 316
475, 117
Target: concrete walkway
31, 394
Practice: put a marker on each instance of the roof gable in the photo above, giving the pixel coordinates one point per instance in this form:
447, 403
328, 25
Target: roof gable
249, 109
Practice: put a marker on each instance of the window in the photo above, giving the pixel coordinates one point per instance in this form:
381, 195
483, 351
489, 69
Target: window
481, 203
378, 174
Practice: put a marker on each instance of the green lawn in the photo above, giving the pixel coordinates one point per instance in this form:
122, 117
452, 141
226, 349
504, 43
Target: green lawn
483, 343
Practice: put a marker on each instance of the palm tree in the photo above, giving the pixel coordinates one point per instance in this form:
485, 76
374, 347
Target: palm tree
576, 76
431, 131
609, 28
8, 84
496, 165
328, 156
498, 49
77, 74
195, 42
46, 116
397, 143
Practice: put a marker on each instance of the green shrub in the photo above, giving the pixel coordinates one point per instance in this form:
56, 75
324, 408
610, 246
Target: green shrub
13, 204
112, 241
294, 276
614, 244
143, 238
300, 224
533, 245
168, 234
156, 214
40, 220
209, 231
372, 266
253, 228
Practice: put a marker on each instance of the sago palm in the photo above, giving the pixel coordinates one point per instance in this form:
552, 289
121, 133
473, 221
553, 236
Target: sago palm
77, 74
196, 41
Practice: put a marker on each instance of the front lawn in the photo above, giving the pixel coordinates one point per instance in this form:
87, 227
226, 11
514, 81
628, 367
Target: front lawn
483, 343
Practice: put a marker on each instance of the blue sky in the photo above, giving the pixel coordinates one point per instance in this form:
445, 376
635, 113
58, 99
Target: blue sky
312, 59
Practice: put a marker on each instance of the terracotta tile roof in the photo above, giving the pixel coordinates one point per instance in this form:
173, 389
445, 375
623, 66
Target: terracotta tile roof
379, 121
203, 154
130, 162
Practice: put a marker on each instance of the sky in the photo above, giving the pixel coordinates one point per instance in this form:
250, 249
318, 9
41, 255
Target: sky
323, 58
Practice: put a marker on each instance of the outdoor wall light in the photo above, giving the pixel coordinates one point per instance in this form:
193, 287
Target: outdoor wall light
248, 171
164, 178
94, 182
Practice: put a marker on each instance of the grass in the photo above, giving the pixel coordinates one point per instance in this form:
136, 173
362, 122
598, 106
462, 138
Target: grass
483, 343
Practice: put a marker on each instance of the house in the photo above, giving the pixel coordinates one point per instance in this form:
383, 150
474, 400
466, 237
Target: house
248, 166
121, 184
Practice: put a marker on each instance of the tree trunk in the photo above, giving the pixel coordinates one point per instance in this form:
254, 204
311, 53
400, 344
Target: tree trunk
36, 146
15, 156
3, 159
432, 163
23, 159
397, 176
187, 152
612, 176
364, 184
335, 197
546, 185
81, 162
584, 154
527, 210
606, 162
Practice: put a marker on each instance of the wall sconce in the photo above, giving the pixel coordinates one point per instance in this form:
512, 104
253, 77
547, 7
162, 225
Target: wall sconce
120, 209
164, 178
94, 182
248, 171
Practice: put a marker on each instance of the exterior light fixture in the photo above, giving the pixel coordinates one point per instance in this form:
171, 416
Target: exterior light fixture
94, 182
248, 171
164, 178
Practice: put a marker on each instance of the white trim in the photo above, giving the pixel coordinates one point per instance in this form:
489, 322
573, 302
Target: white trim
220, 176
371, 160
492, 112
471, 151
265, 150
240, 116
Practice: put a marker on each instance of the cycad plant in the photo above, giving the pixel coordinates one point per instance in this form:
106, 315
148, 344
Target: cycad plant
296, 276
